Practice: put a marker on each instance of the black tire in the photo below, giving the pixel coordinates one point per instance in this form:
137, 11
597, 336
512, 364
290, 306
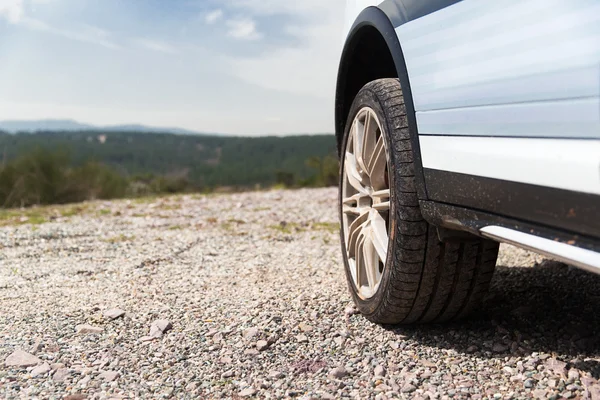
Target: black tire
424, 279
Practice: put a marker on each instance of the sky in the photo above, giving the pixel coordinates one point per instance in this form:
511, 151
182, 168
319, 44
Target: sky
244, 67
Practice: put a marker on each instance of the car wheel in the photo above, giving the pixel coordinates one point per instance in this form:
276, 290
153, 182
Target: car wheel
397, 269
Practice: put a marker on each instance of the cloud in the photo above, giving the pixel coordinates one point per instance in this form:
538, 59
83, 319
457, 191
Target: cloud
309, 68
87, 34
213, 16
155, 45
243, 29
14, 12
11, 10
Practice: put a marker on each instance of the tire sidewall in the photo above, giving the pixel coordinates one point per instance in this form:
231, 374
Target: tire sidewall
368, 98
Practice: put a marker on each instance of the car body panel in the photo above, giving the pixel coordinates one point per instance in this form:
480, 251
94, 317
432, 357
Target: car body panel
506, 99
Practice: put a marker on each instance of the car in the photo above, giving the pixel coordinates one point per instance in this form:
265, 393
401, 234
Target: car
460, 125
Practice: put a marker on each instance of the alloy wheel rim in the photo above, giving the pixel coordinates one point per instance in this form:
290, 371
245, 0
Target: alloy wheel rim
366, 203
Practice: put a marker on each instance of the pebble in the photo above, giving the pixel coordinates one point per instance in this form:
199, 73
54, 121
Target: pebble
86, 329
247, 392
227, 279
302, 338
109, 376
40, 370
114, 313
262, 345
338, 372
20, 358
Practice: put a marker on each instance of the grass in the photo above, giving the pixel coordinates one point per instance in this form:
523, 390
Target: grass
119, 239
291, 227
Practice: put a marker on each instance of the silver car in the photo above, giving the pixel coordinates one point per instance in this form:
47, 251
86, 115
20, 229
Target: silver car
461, 124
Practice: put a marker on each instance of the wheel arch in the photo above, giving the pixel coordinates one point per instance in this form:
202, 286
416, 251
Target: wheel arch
373, 37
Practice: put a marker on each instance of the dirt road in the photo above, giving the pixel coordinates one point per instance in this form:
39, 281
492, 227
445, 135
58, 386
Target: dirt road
244, 295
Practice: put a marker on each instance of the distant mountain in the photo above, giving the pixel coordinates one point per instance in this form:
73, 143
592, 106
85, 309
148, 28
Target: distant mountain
70, 125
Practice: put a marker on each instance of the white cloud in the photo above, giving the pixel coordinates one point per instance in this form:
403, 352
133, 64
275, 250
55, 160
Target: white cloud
156, 45
308, 69
11, 10
88, 34
213, 16
243, 29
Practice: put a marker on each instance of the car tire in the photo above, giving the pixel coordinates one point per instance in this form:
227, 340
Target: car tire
412, 276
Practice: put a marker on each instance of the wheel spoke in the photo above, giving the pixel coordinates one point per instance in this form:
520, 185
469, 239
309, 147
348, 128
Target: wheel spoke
384, 206
379, 234
354, 177
376, 168
357, 141
369, 139
354, 232
371, 263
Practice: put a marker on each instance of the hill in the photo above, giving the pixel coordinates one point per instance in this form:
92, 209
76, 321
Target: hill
67, 125
205, 161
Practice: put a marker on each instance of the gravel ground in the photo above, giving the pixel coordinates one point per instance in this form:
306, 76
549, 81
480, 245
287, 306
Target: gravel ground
244, 295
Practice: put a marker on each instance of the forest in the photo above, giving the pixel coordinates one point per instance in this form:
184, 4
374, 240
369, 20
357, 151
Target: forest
61, 167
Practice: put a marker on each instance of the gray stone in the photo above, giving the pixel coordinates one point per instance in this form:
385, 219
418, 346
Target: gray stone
20, 358
408, 388
262, 345
250, 333
301, 338
499, 348
40, 370
338, 372
248, 392
159, 327
109, 376
86, 329
305, 327
379, 371
276, 374
61, 374
114, 313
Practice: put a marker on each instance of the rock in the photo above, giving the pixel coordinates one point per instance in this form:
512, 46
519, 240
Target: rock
499, 348
276, 374
159, 327
394, 345
37, 346
76, 396
250, 333
472, 349
350, 311
539, 393
86, 329
428, 364
594, 392
379, 371
40, 370
573, 375
338, 372
61, 374
529, 383
57, 366
557, 366
247, 392
408, 388
305, 327
301, 338
114, 313
109, 376
262, 345
190, 387
251, 352
20, 358
228, 374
